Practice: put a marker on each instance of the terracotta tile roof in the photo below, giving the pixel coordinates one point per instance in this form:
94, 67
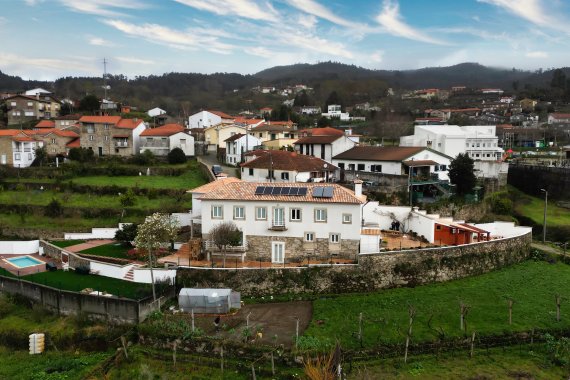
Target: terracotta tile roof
419, 163
29, 97
318, 139
235, 137
64, 133
100, 119
165, 130
245, 191
23, 138
272, 126
9, 132
325, 131
560, 115
476, 229
221, 114
213, 185
284, 160
129, 123
379, 153
74, 144
45, 124
243, 120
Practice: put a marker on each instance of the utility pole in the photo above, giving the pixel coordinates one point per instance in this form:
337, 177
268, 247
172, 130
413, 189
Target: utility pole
544, 221
105, 77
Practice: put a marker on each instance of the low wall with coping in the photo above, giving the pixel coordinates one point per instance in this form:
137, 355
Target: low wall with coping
96, 233
373, 272
19, 247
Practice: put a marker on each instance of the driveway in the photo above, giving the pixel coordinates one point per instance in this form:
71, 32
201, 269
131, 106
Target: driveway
210, 160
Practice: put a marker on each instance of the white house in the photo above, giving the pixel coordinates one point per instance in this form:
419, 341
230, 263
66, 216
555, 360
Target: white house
394, 160
37, 91
310, 110
205, 119
280, 222
162, 140
238, 145
284, 166
155, 112
324, 147
480, 142
334, 112
559, 118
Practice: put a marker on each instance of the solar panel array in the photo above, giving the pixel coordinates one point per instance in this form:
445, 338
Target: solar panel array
281, 190
323, 192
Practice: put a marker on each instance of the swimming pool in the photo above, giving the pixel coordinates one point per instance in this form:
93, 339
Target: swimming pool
24, 261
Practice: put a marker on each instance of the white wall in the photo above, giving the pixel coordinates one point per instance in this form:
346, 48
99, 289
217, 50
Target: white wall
96, 233
490, 169
412, 221
203, 119
142, 275
423, 226
504, 229
19, 247
137, 137
260, 175
188, 147
388, 167
184, 219
109, 270
342, 144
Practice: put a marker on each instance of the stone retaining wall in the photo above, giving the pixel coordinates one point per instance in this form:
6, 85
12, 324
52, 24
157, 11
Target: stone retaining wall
374, 272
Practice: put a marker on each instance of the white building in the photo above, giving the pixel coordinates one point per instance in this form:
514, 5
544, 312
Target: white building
280, 222
155, 112
37, 91
284, 166
205, 119
238, 145
324, 147
559, 118
162, 140
480, 142
334, 112
310, 110
395, 161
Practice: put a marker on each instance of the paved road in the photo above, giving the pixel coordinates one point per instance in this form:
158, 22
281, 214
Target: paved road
210, 160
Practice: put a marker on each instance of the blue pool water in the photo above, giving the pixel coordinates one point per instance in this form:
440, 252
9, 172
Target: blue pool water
24, 261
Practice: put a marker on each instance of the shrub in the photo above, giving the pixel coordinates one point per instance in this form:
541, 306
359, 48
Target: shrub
127, 234
176, 156
82, 269
500, 204
54, 209
128, 198
81, 155
145, 158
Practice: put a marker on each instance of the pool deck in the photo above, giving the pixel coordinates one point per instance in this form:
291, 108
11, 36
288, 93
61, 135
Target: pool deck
28, 270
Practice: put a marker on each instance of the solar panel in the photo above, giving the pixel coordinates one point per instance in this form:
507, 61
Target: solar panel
276, 191
293, 191
318, 192
267, 190
259, 190
302, 191
285, 191
327, 192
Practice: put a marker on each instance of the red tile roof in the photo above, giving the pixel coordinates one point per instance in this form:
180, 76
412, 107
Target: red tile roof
45, 124
325, 131
9, 132
129, 123
165, 130
100, 119
560, 115
74, 144
272, 126
234, 137
221, 114
317, 139
69, 117
214, 185
23, 138
285, 160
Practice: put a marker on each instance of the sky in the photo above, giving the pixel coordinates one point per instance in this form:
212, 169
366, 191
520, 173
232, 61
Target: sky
48, 39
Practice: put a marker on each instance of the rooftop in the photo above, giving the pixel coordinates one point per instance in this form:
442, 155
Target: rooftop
285, 160
165, 130
379, 153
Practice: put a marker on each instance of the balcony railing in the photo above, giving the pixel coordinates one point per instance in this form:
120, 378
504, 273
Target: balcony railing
278, 225
122, 144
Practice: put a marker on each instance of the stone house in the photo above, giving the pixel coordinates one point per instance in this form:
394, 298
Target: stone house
111, 135
283, 222
55, 141
24, 108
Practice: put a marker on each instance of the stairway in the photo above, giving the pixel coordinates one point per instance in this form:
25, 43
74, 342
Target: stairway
130, 275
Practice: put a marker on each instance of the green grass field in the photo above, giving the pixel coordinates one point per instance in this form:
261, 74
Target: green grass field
63, 223
532, 285
66, 243
77, 282
533, 208
187, 181
108, 250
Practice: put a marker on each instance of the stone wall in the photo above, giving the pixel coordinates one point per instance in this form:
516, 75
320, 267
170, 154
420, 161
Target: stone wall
374, 272
554, 179
297, 249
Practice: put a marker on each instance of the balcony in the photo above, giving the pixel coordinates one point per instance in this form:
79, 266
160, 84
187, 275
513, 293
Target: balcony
122, 144
278, 225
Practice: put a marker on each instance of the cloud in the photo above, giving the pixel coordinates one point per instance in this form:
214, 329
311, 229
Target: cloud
390, 19
377, 56
45, 68
260, 51
530, 10
186, 40
316, 9
102, 7
138, 61
307, 21
536, 54
317, 44
33, 3
242, 8
97, 41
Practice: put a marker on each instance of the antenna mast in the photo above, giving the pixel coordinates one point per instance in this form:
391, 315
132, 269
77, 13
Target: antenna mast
105, 77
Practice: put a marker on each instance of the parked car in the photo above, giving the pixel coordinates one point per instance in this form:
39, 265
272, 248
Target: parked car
217, 170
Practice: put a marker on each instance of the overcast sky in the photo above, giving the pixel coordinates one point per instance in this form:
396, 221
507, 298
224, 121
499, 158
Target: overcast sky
47, 39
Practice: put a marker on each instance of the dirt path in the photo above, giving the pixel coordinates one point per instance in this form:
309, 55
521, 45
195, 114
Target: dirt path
547, 248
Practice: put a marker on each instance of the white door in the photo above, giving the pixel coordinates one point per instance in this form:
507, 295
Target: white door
279, 217
277, 252
3, 159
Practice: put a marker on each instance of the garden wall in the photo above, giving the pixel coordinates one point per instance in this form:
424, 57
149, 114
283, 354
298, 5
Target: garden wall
96, 233
112, 309
374, 271
19, 247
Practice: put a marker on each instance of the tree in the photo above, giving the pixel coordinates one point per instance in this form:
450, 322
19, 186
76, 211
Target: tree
144, 158
128, 198
41, 156
54, 209
333, 98
302, 99
157, 231
176, 156
81, 154
89, 103
127, 234
461, 174
65, 109
558, 79
225, 235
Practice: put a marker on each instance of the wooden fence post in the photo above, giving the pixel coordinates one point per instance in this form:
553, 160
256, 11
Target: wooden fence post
472, 344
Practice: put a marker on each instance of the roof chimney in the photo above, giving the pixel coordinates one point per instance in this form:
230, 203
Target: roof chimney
358, 188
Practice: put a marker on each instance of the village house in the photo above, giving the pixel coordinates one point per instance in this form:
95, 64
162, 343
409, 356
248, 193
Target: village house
217, 135
24, 108
55, 141
324, 146
18, 148
334, 111
238, 145
161, 140
206, 119
285, 222
558, 118
310, 110
67, 121
111, 135
275, 134
284, 166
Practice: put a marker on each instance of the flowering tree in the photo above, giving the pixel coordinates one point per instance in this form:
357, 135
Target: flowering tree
158, 230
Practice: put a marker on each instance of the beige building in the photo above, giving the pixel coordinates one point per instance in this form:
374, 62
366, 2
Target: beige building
111, 135
216, 135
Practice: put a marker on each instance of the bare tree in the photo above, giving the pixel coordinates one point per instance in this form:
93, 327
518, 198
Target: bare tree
412, 314
463, 310
225, 235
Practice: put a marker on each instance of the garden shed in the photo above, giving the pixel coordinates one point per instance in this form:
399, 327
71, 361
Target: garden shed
208, 300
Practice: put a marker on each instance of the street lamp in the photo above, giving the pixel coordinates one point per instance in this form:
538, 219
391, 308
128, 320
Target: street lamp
544, 221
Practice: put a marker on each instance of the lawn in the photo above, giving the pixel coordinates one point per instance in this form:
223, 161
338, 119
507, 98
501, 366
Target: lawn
63, 224
109, 250
186, 181
66, 243
533, 208
77, 282
532, 285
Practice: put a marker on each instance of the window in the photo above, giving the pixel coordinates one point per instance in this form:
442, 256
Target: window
376, 168
340, 165
346, 218
438, 227
106, 138
53, 150
309, 236
53, 141
29, 113
250, 171
217, 212
260, 213
442, 168
334, 238
350, 166
360, 166
271, 174
90, 129
320, 215
12, 104
17, 157
182, 141
285, 176
239, 212
106, 126
30, 156
295, 214
91, 137
30, 104
16, 113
